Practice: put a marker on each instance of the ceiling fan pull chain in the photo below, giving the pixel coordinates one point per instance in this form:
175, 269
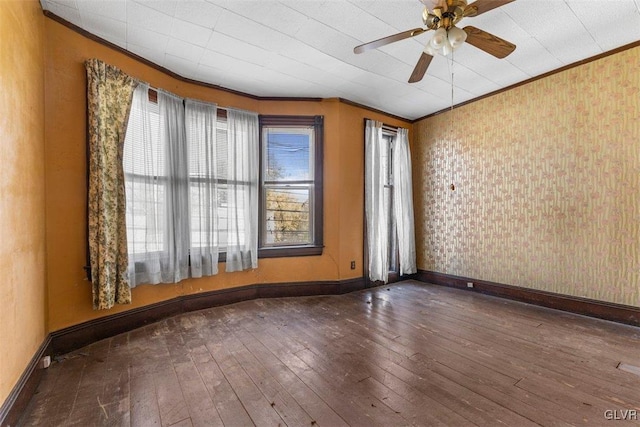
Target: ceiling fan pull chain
451, 142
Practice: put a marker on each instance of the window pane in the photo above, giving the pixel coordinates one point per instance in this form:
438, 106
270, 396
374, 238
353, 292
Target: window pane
143, 154
145, 216
221, 149
207, 181
385, 162
287, 215
236, 196
144, 167
287, 154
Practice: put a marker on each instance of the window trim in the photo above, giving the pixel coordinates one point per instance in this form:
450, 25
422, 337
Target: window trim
317, 246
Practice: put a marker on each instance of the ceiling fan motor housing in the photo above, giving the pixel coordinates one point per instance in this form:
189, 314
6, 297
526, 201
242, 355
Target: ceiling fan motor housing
445, 14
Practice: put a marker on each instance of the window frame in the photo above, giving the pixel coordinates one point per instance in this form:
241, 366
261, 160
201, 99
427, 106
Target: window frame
316, 247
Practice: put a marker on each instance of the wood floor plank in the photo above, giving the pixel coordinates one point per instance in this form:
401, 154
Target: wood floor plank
555, 369
283, 403
485, 314
171, 402
56, 392
226, 401
401, 354
202, 410
503, 400
320, 412
63, 398
355, 409
115, 398
474, 406
563, 363
144, 402
253, 401
355, 371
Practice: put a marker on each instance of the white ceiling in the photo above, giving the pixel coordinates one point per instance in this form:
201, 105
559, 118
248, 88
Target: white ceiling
304, 48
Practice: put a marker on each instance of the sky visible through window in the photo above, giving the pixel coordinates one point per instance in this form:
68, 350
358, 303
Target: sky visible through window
288, 156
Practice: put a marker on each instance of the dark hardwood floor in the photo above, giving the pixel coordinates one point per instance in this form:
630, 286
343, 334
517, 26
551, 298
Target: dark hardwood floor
403, 354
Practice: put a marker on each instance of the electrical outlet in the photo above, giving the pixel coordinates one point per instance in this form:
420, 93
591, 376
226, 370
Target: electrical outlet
45, 362
353, 265
469, 284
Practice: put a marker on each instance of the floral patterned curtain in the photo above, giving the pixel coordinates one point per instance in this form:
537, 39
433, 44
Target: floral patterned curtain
109, 96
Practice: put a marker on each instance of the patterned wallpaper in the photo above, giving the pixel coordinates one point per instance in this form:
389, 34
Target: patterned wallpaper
547, 184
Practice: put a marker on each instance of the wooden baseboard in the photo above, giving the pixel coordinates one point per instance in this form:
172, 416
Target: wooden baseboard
19, 398
78, 336
603, 310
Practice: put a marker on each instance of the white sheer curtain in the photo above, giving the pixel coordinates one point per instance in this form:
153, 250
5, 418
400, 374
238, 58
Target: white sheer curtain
156, 195
144, 188
242, 181
174, 142
201, 130
375, 210
403, 202
191, 189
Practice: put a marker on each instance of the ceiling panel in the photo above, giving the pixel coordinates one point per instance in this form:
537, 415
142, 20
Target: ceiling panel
191, 33
173, 62
304, 48
114, 9
109, 29
278, 16
400, 14
153, 55
185, 50
147, 39
235, 48
167, 7
627, 21
249, 31
199, 12
65, 9
141, 16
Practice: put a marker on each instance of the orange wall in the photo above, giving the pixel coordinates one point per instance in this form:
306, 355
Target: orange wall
69, 291
547, 184
22, 189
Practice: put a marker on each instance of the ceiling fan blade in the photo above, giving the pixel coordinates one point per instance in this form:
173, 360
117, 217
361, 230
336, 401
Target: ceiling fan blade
387, 40
491, 44
483, 6
421, 68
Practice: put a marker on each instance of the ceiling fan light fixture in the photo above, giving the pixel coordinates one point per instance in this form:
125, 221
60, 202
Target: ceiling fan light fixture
439, 39
429, 50
456, 37
447, 48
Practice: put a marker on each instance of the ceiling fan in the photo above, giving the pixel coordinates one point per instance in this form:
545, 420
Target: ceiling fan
442, 17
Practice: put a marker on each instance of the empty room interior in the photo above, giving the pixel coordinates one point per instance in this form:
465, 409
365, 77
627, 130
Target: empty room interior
332, 213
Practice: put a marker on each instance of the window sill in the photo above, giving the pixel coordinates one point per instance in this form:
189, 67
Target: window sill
289, 251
